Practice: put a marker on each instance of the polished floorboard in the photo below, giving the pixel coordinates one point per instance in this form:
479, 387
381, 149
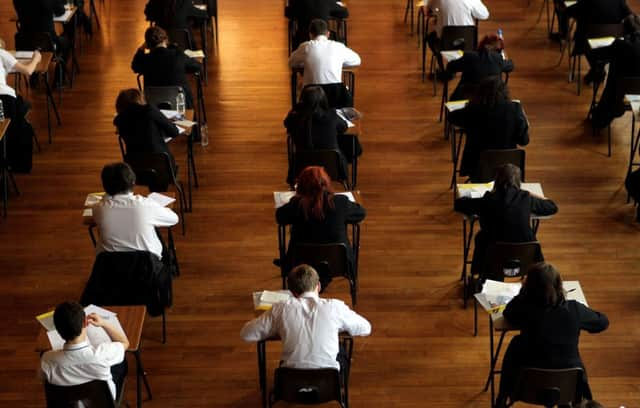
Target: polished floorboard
422, 351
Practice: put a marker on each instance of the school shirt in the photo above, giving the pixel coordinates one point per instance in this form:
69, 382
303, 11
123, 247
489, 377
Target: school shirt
457, 13
322, 60
7, 64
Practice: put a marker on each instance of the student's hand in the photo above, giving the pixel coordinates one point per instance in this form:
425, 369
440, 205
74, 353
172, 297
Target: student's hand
37, 57
95, 320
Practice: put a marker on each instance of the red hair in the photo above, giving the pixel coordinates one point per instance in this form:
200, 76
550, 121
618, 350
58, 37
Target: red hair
491, 42
314, 192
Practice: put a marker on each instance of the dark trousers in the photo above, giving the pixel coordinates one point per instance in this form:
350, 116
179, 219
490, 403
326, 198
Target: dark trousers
434, 45
119, 373
632, 183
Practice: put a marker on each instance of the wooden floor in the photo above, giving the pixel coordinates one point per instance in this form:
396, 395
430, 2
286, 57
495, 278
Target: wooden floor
422, 352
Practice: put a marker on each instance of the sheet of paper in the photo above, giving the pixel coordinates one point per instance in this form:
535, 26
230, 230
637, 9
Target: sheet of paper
93, 199
602, 42
628, 98
97, 335
276, 296
280, 198
472, 190
99, 311
635, 107
170, 114
194, 53
55, 340
570, 3
453, 55
87, 212
168, 139
268, 296
63, 18
181, 130
24, 54
185, 123
453, 106
201, 6
46, 320
161, 199
341, 4
343, 117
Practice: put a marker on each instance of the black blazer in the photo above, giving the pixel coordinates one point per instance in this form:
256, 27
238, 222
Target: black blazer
306, 10
595, 12
144, 128
166, 67
156, 11
476, 66
37, 15
502, 126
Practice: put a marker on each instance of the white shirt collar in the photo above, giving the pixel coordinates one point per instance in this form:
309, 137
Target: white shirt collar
76, 346
311, 294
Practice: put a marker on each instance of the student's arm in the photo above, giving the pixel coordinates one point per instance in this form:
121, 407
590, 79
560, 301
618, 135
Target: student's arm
138, 64
296, 59
507, 65
341, 125
522, 126
543, 206
28, 68
167, 127
516, 310
479, 10
114, 334
260, 328
590, 320
350, 58
191, 65
286, 214
469, 206
338, 11
162, 216
352, 322
457, 65
355, 212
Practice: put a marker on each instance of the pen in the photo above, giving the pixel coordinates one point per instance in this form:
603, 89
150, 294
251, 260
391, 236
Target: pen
571, 290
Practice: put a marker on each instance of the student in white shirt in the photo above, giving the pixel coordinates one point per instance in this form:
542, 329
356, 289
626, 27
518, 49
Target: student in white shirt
322, 58
79, 362
126, 221
307, 324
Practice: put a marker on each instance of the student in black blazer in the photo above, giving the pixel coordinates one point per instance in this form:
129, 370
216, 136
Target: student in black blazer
316, 214
164, 65
492, 121
303, 11
142, 127
504, 214
475, 66
172, 14
549, 327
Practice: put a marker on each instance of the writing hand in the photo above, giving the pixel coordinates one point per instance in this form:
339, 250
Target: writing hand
95, 320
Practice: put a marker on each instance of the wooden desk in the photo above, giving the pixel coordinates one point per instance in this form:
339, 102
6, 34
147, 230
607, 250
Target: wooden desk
132, 320
5, 172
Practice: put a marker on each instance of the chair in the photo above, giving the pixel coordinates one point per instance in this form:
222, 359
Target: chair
182, 38
156, 171
308, 386
592, 31
491, 159
548, 388
334, 257
163, 97
624, 86
331, 160
94, 394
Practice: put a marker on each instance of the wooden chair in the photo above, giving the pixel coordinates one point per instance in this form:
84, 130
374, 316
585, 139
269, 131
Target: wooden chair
308, 386
491, 159
94, 394
548, 388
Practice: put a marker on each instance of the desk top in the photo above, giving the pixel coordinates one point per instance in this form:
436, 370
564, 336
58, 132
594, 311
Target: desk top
478, 190
280, 198
131, 318
4, 125
43, 65
67, 16
448, 56
601, 42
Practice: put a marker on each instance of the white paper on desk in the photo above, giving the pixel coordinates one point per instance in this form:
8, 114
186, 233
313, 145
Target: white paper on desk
170, 114
200, 6
185, 123
602, 42
63, 18
93, 199
168, 139
181, 130
194, 53
495, 294
270, 297
161, 199
347, 121
570, 3
341, 4
635, 107
452, 55
55, 340
280, 198
472, 190
24, 54
629, 98
453, 106
102, 312
87, 212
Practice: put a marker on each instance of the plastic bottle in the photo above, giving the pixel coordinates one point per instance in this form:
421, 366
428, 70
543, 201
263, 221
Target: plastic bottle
1, 111
500, 34
204, 135
180, 103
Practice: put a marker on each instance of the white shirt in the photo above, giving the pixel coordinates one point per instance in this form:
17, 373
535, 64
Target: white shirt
7, 63
127, 222
457, 13
80, 363
322, 60
309, 328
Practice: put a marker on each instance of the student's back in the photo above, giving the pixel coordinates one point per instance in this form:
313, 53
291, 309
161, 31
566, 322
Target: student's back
144, 128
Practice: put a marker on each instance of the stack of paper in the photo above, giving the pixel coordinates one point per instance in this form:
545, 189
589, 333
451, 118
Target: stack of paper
452, 55
93, 199
24, 54
194, 53
265, 299
161, 199
495, 295
280, 198
453, 106
472, 190
601, 42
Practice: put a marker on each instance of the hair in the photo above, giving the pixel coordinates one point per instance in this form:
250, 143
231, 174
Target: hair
318, 27
631, 24
490, 91
507, 175
155, 36
590, 404
69, 319
314, 192
127, 98
302, 278
313, 102
491, 42
543, 285
118, 178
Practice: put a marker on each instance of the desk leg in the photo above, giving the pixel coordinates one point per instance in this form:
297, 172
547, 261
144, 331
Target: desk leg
467, 236
445, 96
262, 370
5, 174
94, 13
51, 103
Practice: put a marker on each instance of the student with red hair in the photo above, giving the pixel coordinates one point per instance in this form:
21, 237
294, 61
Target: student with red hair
316, 214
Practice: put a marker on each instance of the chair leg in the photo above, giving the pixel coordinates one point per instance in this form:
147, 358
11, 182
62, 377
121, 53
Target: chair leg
164, 326
609, 141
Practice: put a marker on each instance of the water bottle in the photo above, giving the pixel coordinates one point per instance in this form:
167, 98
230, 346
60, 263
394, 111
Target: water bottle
500, 34
180, 104
1, 111
204, 135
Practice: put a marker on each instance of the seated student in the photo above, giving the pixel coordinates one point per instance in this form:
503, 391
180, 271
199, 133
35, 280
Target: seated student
504, 213
624, 57
20, 133
632, 184
164, 65
172, 14
549, 326
316, 214
492, 121
487, 62
78, 362
142, 126
314, 126
126, 221
307, 324
304, 11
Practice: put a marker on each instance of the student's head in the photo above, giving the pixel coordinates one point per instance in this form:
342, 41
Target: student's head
118, 178
127, 98
490, 91
631, 24
314, 191
543, 285
302, 278
318, 27
155, 36
314, 99
69, 319
507, 175
491, 42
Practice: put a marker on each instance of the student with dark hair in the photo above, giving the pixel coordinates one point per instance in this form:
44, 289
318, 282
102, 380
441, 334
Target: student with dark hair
164, 64
79, 362
504, 213
487, 62
549, 326
492, 121
304, 11
126, 221
172, 14
142, 126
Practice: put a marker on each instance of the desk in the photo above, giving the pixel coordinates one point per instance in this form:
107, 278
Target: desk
5, 171
447, 57
633, 101
70, 16
348, 79
132, 319
498, 323
455, 134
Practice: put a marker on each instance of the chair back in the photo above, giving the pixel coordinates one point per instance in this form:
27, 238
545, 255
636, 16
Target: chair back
490, 160
307, 386
334, 256
463, 38
338, 95
331, 160
152, 169
30, 41
549, 387
627, 85
604, 30
511, 259
93, 394
181, 37
162, 97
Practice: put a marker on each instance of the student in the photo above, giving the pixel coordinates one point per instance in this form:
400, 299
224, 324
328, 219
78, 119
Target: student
172, 14
79, 362
549, 326
304, 11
